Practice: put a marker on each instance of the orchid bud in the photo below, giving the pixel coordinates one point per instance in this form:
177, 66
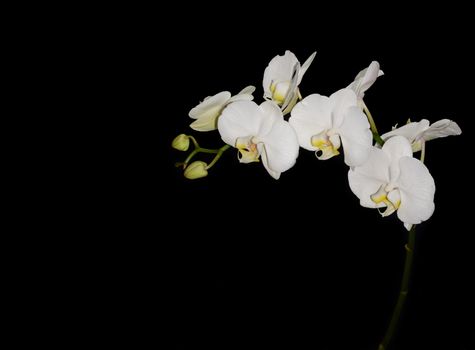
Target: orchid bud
196, 170
181, 142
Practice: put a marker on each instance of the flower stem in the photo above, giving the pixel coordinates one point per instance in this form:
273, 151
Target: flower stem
374, 129
220, 153
192, 154
403, 291
195, 143
207, 150
423, 151
195, 152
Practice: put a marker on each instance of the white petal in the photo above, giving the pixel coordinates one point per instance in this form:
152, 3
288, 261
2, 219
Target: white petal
370, 77
442, 128
281, 147
310, 117
207, 112
248, 90
394, 197
245, 94
356, 137
269, 113
395, 148
206, 123
279, 70
210, 104
291, 95
408, 226
365, 79
410, 131
341, 101
366, 179
265, 162
417, 189
305, 66
238, 119
291, 104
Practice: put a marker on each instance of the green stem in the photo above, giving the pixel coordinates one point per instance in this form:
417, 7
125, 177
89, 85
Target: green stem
207, 150
403, 292
372, 124
197, 150
423, 151
195, 143
192, 154
220, 153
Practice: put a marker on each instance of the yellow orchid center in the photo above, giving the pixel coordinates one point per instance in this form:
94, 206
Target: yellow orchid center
327, 144
248, 151
279, 91
390, 196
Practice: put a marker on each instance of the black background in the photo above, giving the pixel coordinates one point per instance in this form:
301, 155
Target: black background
246, 261
132, 252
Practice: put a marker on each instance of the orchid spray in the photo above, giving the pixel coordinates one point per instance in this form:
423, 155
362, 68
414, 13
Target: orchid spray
383, 172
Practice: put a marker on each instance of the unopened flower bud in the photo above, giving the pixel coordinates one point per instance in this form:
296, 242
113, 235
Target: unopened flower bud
196, 170
181, 142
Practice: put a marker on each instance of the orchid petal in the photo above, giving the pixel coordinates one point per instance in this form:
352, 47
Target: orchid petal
265, 162
206, 123
292, 103
341, 101
248, 90
417, 189
208, 111
281, 146
310, 117
239, 119
394, 197
279, 70
409, 131
291, 94
244, 94
268, 114
356, 137
395, 148
305, 66
441, 128
210, 103
365, 79
372, 73
365, 180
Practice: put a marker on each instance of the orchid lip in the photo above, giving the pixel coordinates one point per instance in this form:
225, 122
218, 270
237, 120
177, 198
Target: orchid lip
383, 194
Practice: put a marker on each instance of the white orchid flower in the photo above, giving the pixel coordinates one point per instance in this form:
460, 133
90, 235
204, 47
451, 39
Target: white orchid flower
392, 178
365, 79
419, 132
282, 77
260, 131
324, 123
208, 111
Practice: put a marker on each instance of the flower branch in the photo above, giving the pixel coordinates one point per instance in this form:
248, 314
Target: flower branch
384, 176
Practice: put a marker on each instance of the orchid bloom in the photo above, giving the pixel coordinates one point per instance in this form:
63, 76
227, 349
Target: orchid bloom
323, 123
282, 77
365, 79
392, 178
260, 131
419, 132
208, 111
